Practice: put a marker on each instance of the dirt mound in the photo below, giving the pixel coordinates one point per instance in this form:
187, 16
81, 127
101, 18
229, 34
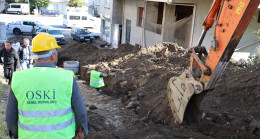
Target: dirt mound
89, 54
140, 76
234, 103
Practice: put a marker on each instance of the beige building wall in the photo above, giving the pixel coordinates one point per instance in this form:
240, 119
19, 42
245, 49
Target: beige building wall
137, 35
103, 10
201, 8
111, 18
130, 8
2, 5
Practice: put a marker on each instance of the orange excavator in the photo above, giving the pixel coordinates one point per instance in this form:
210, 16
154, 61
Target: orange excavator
186, 92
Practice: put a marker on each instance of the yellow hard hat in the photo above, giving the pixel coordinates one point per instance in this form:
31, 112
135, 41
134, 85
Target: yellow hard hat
44, 42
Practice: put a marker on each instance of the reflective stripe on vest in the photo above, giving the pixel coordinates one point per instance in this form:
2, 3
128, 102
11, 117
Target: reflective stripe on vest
44, 113
46, 128
44, 103
95, 79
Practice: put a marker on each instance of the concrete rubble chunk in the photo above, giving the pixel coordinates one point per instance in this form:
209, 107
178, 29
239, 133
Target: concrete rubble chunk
255, 123
133, 104
141, 95
249, 118
93, 107
123, 84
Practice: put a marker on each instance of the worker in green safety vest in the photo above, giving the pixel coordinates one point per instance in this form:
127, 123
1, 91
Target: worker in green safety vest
96, 79
45, 102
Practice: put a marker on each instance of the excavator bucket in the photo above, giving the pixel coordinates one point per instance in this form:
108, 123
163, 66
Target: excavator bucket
184, 97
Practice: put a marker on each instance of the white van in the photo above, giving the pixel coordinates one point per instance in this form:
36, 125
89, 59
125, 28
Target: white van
78, 19
18, 8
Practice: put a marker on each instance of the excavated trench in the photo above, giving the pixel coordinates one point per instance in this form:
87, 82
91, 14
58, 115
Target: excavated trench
138, 77
135, 105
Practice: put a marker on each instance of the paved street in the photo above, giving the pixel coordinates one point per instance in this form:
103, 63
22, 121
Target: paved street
46, 20
53, 21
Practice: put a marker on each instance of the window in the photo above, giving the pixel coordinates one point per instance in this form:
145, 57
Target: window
97, 2
15, 6
160, 17
74, 17
28, 23
55, 32
91, 19
160, 13
25, 23
154, 16
140, 16
84, 18
107, 4
84, 31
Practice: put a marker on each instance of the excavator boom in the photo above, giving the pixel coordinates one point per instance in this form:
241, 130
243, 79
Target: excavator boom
187, 91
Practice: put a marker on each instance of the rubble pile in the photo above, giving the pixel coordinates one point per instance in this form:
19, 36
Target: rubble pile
139, 77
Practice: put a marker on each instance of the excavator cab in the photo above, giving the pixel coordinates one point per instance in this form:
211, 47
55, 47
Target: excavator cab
186, 92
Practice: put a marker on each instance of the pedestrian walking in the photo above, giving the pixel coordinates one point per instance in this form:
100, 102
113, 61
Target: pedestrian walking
25, 54
33, 31
10, 60
45, 102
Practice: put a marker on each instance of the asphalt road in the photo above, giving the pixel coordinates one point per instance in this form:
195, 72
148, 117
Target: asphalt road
56, 22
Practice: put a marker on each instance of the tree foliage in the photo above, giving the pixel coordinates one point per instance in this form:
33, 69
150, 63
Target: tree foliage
40, 3
16, 1
75, 3
33, 3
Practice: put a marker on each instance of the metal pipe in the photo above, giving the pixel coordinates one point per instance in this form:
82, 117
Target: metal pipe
202, 36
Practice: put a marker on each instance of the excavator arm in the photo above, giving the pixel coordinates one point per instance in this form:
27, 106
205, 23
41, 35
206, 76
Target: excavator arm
186, 92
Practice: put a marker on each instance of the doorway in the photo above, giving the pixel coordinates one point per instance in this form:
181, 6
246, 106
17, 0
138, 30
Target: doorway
183, 30
128, 31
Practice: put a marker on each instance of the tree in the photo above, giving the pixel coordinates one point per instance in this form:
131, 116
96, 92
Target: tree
39, 4
75, 3
33, 3
16, 1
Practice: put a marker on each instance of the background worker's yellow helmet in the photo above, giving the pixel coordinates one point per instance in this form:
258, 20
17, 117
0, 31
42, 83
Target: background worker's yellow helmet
44, 42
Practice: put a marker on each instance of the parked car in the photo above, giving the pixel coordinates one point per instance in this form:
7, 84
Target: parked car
78, 19
58, 35
81, 35
43, 29
18, 8
24, 26
50, 12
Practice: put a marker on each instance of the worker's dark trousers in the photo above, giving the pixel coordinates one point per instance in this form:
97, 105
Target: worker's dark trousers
33, 35
8, 72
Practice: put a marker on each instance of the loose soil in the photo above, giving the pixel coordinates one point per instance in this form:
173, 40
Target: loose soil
135, 103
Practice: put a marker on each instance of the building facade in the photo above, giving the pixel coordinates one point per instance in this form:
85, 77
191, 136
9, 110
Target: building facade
110, 13
146, 22
62, 5
2, 5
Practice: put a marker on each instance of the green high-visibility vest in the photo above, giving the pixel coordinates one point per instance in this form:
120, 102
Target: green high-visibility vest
95, 79
44, 103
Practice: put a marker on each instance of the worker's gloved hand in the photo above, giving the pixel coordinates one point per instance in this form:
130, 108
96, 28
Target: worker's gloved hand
80, 134
103, 75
